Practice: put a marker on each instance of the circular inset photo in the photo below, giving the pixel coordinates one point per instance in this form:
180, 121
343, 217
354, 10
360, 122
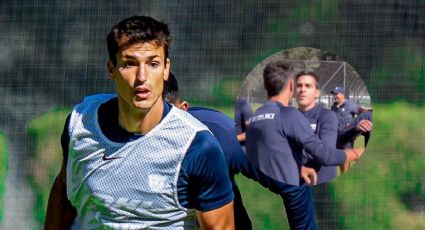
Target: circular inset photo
304, 107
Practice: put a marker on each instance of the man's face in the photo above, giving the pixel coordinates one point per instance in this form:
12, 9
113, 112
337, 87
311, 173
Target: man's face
339, 98
307, 92
139, 75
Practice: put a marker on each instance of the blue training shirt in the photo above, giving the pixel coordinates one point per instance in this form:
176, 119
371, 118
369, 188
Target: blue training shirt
324, 123
276, 137
345, 113
242, 114
347, 122
224, 131
201, 185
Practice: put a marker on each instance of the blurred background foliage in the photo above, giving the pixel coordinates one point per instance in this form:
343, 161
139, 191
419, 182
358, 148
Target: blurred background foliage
46, 156
3, 169
385, 190
54, 54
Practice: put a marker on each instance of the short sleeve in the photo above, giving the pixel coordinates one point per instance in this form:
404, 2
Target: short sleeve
204, 182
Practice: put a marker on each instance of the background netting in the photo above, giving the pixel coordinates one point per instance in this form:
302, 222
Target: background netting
331, 71
53, 53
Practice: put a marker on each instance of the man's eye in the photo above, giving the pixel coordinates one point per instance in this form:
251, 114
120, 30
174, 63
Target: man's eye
129, 64
153, 64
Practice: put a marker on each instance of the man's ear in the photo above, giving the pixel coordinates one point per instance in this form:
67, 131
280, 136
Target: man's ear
167, 69
291, 86
111, 69
317, 93
184, 105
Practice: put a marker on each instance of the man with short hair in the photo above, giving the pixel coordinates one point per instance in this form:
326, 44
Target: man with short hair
323, 122
243, 113
353, 120
224, 130
133, 161
276, 137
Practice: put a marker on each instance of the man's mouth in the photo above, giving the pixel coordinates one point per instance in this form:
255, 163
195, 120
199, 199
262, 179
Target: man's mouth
142, 93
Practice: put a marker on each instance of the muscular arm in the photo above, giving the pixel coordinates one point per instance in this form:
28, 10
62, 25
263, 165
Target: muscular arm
208, 189
220, 218
60, 212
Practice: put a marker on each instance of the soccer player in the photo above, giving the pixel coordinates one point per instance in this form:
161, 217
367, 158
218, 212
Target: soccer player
276, 137
224, 130
133, 161
242, 114
323, 122
353, 120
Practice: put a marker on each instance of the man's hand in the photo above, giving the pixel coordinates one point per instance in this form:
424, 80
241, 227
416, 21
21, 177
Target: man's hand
364, 126
309, 175
352, 155
241, 137
344, 168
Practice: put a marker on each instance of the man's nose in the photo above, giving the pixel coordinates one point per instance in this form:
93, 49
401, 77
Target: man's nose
141, 73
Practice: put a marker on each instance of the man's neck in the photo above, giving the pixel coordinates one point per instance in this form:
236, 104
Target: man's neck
341, 103
281, 98
140, 121
306, 108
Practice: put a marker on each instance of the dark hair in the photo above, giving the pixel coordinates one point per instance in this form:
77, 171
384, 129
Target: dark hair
171, 90
276, 74
302, 73
137, 29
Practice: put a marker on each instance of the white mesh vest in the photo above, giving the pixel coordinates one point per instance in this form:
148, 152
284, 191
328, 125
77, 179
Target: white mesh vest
129, 185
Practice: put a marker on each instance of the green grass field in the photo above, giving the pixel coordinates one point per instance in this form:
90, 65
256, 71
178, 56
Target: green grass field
384, 190
3, 169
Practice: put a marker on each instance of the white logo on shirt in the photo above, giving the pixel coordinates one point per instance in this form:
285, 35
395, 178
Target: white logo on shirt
313, 126
156, 182
266, 116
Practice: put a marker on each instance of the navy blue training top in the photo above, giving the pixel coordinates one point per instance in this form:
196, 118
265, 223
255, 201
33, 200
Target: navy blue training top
242, 114
324, 123
223, 129
276, 137
345, 113
347, 123
202, 184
